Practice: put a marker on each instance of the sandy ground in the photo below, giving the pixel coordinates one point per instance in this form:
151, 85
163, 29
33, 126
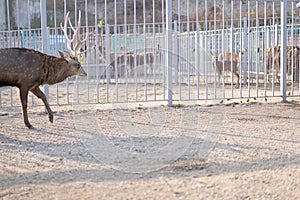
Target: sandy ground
229, 150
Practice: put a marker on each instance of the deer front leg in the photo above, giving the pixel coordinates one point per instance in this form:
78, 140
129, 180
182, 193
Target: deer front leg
37, 92
23, 97
238, 80
219, 79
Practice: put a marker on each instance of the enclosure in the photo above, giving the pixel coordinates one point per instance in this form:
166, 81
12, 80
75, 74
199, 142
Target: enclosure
153, 119
198, 32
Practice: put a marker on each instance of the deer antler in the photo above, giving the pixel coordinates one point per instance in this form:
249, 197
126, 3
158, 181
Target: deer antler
64, 30
76, 31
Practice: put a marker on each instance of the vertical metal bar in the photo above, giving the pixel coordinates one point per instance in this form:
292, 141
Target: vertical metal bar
283, 51
169, 50
55, 45
257, 48
298, 62
65, 8
125, 36
175, 48
179, 49
45, 44
55, 19
115, 54
29, 23
215, 47
8, 22
97, 51
276, 33
67, 82
241, 48
107, 64
232, 49
75, 13
205, 47
135, 50
155, 46
105, 12
76, 78
266, 43
18, 18
188, 50
86, 46
164, 78
293, 61
197, 50
222, 50
275, 44
145, 58
249, 48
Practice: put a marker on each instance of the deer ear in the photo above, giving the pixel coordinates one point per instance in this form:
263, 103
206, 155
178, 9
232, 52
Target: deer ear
62, 54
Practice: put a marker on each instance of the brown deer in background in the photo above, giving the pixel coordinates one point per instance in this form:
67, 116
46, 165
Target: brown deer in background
225, 65
226, 60
27, 69
292, 61
147, 58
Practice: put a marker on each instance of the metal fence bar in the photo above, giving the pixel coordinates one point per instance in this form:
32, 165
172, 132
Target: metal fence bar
169, 50
205, 47
265, 46
283, 50
107, 63
45, 36
257, 52
231, 49
145, 56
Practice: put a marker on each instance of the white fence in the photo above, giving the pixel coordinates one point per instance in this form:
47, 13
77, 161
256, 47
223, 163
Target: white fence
197, 39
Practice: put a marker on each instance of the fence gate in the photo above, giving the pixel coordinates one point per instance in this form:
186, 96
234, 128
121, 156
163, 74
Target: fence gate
162, 50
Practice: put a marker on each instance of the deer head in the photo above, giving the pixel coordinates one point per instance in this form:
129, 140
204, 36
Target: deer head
72, 45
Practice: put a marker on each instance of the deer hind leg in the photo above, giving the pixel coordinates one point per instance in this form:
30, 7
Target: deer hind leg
219, 79
37, 92
150, 69
23, 97
238, 79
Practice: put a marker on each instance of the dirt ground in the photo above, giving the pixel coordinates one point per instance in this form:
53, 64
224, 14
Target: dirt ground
227, 150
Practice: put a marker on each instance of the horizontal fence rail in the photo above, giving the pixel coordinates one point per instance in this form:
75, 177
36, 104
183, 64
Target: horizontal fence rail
214, 43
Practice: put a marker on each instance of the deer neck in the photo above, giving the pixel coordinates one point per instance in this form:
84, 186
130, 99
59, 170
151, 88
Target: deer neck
58, 70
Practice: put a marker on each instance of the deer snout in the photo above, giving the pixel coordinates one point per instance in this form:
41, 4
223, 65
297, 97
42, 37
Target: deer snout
81, 72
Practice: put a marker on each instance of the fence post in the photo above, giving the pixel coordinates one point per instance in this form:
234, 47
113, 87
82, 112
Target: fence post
107, 53
169, 50
283, 51
45, 38
276, 35
176, 49
245, 56
22, 38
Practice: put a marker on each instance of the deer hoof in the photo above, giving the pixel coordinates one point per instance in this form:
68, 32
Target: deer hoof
51, 119
29, 126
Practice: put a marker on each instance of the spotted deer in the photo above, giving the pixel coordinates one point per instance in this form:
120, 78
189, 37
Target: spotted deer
28, 69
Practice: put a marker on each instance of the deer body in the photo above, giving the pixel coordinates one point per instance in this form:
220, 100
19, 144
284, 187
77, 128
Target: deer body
229, 61
273, 57
27, 69
229, 56
226, 65
147, 58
